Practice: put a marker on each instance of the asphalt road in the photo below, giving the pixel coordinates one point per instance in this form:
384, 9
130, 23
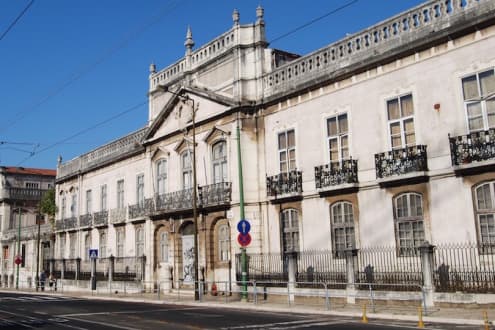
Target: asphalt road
25, 311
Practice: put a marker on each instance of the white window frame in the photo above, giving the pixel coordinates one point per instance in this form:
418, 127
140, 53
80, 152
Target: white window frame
161, 176
72, 245
120, 193
164, 246
401, 120
219, 163
139, 232
290, 235
89, 201
409, 220
482, 100
186, 169
73, 205
103, 244
140, 189
484, 213
338, 137
284, 166
119, 241
103, 198
223, 233
87, 245
340, 210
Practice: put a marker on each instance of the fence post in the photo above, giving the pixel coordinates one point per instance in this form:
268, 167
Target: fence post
427, 267
143, 264
51, 265
62, 272
111, 268
351, 266
292, 269
78, 268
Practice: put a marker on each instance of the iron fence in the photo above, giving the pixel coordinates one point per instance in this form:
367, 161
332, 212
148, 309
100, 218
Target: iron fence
128, 268
385, 265
70, 268
467, 267
316, 267
269, 267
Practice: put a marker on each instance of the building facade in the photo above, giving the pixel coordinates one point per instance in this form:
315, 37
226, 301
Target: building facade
383, 138
23, 227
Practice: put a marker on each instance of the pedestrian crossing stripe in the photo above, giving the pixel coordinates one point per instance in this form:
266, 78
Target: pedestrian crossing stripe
37, 298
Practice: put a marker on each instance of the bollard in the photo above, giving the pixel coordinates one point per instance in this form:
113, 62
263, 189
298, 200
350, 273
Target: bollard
421, 325
487, 324
364, 319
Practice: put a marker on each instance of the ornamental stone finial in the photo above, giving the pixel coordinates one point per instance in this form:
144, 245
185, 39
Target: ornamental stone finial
189, 43
59, 160
235, 17
259, 14
152, 68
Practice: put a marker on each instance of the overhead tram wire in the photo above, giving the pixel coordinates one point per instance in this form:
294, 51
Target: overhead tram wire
166, 10
16, 19
85, 130
333, 11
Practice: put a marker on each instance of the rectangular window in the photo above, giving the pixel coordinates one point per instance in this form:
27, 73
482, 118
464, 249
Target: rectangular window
287, 151
63, 208
120, 242
186, 170
73, 205
161, 176
164, 247
72, 245
32, 185
103, 244
338, 138
62, 245
140, 189
103, 198
139, 241
120, 194
400, 113
479, 100
88, 202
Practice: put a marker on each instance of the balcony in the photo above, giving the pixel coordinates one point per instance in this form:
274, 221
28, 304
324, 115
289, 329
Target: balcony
284, 186
175, 202
216, 195
85, 220
141, 209
70, 223
337, 178
473, 153
22, 194
27, 232
59, 225
118, 215
100, 218
402, 166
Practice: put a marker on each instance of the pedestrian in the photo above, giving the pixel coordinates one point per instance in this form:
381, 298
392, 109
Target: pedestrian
52, 282
42, 280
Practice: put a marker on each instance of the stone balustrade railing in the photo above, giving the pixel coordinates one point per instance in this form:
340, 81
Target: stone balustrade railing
103, 154
366, 46
208, 51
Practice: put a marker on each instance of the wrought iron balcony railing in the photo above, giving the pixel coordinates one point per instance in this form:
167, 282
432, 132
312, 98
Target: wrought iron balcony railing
401, 161
118, 215
336, 174
474, 147
284, 183
70, 223
86, 220
59, 225
175, 201
24, 194
141, 209
100, 218
216, 194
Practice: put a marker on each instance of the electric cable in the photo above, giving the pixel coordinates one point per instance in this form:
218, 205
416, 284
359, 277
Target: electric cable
16, 19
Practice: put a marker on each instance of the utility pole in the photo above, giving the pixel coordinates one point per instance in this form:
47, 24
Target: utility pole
244, 293
18, 250
36, 277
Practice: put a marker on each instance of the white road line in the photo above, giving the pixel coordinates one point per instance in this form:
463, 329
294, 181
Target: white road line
102, 323
307, 325
130, 312
19, 315
266, 325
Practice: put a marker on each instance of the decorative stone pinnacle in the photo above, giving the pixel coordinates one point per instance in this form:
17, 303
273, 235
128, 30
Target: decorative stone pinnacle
189, 43
152, 68
235, 17
259, 13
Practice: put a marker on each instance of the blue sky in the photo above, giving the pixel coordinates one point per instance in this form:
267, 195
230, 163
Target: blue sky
69, 65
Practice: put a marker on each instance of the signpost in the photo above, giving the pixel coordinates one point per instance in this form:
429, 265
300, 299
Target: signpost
93, 253
18, 260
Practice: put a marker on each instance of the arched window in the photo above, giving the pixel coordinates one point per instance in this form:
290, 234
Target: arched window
409, 229
343, 238
87, 246
103, 244
161, 176
72, 245
289, 225
219, 162
62, 245
186, 169
485, 213
164, 247
139, 241
223, 242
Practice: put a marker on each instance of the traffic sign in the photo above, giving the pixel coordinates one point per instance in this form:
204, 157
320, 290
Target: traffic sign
243, 226
93, 253
18, 260
244, 240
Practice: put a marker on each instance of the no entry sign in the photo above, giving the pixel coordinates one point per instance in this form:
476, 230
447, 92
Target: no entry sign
244, 239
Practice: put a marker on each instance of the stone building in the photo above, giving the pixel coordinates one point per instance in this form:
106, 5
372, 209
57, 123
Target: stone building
383, 138
21, 190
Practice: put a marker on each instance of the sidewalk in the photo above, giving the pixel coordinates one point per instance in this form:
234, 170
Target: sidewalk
469, 315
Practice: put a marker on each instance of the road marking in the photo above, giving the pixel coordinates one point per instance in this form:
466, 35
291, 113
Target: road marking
266, 325
102, 323
129, 312
19, 315
307, 325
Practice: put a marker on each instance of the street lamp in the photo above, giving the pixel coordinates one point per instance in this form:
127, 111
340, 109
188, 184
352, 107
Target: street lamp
36, 277
189, 107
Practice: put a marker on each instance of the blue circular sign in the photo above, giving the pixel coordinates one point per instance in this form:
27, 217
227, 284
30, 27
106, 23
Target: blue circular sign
243, 226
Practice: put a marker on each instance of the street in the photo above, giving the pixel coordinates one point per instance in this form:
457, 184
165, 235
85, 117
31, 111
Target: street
25, 311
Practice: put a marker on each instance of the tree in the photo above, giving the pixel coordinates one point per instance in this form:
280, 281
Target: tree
47, 205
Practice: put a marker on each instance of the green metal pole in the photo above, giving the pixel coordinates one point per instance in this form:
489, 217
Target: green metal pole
18, 250
244, 293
